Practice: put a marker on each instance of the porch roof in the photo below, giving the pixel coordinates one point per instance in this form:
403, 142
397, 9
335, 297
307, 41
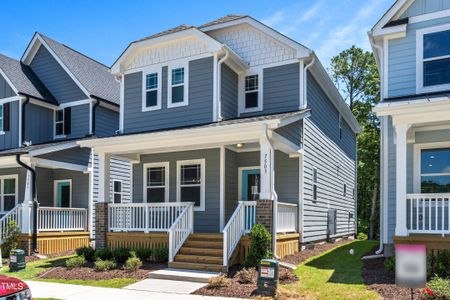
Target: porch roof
40, 149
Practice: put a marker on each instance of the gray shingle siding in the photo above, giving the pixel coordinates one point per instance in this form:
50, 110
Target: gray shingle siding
10, 139
107, 122
229, 92
38, 124
199, 110
326, 116
335, 168
5, 90
57, 81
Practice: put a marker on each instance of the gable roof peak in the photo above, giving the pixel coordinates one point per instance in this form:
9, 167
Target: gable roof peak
224, 19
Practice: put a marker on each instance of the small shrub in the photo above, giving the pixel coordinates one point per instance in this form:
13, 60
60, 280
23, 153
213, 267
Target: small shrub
259, 247
104, 265
218, 282
104, 254
362, 236
144, 254
11, 238
246, 276
133, 263
87, 252
389, 264
437, 288
439, 264
161, 255
121, 254
75, 262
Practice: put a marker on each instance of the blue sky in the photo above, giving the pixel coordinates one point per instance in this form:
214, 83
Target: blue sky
102, 29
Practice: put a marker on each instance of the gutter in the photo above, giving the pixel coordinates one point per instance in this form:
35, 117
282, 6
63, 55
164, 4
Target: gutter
219, 85
94, 108
27, 100
35, 203
305, 83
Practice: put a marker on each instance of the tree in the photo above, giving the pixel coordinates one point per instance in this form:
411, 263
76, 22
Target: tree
355, 73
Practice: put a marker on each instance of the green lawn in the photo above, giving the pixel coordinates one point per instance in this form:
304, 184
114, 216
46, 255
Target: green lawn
334, 274
34, 269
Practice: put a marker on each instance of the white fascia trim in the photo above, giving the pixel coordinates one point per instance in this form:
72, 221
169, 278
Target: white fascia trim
394, 31
202, 163
43, 104
284, 145
430, 16
8, 100
396, 8
214, 45
406, 107
109, 106
75, 103
302, 51
166, 166
8, 81
53, 164
32, 50
51, 149
145, 72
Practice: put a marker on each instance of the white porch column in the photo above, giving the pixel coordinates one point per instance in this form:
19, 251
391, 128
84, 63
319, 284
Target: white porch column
401, 136
104, 181
267, 168
27, 206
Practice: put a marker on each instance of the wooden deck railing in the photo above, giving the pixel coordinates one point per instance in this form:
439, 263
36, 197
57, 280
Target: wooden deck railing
62, 219
287, 217
428, 213
180, 230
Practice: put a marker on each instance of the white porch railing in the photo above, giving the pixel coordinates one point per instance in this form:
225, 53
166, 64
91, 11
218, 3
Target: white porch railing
242, 221
428, 213
144, 217
61, 219
287, 217
13, 215
180, 230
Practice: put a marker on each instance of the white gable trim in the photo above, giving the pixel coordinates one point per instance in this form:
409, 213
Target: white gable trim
395, 11
302, 51
32, 49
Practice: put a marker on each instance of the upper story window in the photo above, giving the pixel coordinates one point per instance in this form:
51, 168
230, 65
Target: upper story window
178, 87
435, 170
433, 59
251, 95
151, 98
63, 120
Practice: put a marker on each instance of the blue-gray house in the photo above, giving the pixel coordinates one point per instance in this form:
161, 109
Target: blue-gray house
412, 49
49, 99
227, 124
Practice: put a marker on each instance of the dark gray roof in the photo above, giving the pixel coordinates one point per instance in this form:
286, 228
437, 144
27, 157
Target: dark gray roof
92, 75
227, 18
24, 79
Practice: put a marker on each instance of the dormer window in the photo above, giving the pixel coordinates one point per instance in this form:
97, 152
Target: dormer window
151, 98
4, 117
433, 59
178, 92
63, 120
251, 93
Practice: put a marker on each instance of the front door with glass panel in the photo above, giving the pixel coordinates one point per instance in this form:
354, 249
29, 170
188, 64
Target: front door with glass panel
251, 184
63, 193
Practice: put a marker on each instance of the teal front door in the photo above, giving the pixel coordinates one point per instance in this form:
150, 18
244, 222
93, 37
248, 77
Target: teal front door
63, 193
250, 184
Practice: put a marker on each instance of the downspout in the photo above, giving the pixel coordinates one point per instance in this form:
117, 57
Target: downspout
97, 103
305, 83
27, 100
219, 84
35, 203
275, 197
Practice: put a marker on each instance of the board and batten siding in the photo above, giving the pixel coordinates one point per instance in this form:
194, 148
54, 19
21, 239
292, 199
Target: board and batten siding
402, 59
38, 124
22, 173
5, 89
106, 122
420, 7
229, 92
198, 111
55, 78
10, 139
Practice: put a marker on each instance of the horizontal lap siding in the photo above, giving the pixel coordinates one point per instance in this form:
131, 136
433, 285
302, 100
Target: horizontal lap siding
80, 121
45, 186
106, 122
38, 124
79, 156
286, 178
199, 110
5, 89
293, 132
55, 78
10, 139
229, 93
22, 179
205, 221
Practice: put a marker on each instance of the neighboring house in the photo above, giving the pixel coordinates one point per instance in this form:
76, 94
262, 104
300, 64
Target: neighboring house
227, 124
49, 99
412, 49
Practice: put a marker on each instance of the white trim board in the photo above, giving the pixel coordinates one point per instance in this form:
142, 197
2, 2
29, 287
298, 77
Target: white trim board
240, 169
53, 164
16, 192
55, 190
147, 166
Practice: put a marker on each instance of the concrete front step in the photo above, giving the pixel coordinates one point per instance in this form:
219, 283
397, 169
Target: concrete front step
201, 251
183, 275
197, 266
199, 259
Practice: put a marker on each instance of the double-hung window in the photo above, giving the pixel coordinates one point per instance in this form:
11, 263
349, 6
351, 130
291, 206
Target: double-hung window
151, 98
8, 192
435, 170
252, 99
191, 182
156, 182
117, 191
178, 86
63, 122
433, 59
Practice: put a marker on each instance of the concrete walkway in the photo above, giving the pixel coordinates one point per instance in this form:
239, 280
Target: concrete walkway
79, 292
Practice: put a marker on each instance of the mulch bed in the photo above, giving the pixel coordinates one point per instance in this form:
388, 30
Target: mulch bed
381, 281
88, 273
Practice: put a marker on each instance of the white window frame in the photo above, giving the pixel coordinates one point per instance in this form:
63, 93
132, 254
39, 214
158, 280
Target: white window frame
146, 72
420, 88
117, 193
58, 136
417, 184
2, 195
166, 166
202, 163
171, 67
241, 96
55, 191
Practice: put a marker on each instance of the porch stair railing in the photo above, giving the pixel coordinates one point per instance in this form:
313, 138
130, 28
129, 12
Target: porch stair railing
180, 230
241, 222
428, 213
13, 215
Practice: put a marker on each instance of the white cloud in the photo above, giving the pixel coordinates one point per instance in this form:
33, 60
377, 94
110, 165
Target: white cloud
311, 12
275, 19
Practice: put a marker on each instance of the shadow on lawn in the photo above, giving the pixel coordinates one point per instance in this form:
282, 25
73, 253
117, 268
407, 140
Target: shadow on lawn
60, 262
346, 267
